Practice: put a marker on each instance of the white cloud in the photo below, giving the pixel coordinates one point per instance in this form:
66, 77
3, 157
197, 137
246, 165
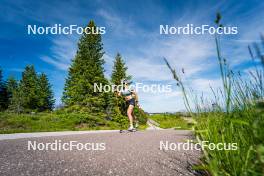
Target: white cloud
203, 85
62, 52
144, 69
161, 102
192, 54
55, 62
117, 25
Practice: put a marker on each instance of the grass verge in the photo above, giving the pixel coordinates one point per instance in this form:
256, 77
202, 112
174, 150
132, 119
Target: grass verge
55, 121
171, 121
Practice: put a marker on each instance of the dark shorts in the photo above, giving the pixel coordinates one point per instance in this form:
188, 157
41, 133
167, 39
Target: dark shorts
131, 102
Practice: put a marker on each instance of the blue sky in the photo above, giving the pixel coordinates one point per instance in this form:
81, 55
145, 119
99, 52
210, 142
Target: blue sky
132, 28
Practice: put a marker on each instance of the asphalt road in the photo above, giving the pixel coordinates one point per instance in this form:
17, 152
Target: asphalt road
130, 154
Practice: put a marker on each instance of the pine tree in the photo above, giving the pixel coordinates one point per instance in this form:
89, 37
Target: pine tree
119, 73
3, 93
17, 101
11, 85
29, 88
45, 94
119, 70
85, 70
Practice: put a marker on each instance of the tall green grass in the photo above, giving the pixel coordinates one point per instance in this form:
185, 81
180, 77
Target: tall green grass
237, 116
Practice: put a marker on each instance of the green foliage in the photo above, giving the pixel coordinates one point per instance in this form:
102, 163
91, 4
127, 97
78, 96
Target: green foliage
119, 70
17, 101
118, 117
45, 94
11, 85
141, 116
85, 70
171, 121
53, 121
32, 93
29, 88
235, 127
121, 118
3, 93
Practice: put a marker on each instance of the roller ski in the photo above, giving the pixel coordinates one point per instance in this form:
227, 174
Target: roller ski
129, 130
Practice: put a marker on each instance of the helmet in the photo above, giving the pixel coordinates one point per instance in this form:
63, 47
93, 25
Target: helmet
125, 81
